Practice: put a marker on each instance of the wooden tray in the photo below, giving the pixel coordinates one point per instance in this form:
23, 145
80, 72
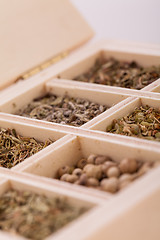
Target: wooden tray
133, 213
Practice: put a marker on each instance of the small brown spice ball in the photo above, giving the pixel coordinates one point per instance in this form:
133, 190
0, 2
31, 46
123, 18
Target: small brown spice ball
93, 171
64, 177
91, 158
113, 172
81, 163
92, 182
100, 160
63, 170
125, 177
109, 185
77, 172
107, 165
71, 178
83, 179
128, 165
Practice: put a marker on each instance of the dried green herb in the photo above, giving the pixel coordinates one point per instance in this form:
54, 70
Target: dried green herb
120, 73
64, 110
15, 148
103, 173
144, 122
35, 216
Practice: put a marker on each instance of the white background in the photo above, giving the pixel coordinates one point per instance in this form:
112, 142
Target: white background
135, 20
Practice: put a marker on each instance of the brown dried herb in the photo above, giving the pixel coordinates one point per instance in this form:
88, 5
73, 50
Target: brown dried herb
35, 216
120, 73
144, 122
15, 148
64, 110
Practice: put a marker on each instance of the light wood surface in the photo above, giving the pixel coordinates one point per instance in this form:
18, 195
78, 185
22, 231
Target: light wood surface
32, 32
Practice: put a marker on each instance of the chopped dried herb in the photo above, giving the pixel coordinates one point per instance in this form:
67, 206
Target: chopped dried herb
64, 110
35, 216
125, 74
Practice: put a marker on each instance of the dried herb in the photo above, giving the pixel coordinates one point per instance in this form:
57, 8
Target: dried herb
35, 216
64, 110
103, 173
120, 73
15, 148
144, 122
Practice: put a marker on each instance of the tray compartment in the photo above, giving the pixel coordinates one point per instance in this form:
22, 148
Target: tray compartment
81, 147
33, 130
125, 110
88, 61
22, 183
13, 103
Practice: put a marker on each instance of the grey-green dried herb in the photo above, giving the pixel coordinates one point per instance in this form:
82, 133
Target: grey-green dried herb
103, 173
120, 73
143, 122
35, 216
15, 148
64, 110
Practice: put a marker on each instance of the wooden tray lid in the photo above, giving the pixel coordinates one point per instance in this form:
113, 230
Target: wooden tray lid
34, 31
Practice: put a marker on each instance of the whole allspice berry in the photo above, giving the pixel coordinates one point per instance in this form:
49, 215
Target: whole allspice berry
91, 158
110, 185
71, 178
107, 165
83, 179
77, 171
63, 170
93, 171
113, 172
92, 182
100, 160
128, 165
81, 163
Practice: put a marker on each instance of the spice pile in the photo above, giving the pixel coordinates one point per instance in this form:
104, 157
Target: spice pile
120, 73
15, 148
103, 173
144, 122
64, 110
35, 216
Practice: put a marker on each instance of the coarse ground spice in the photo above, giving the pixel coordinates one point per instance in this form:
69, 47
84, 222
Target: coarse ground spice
35, 216
64, 110
117, 73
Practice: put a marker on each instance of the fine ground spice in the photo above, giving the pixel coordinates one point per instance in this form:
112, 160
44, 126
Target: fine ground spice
15, 148
103, 173
35, 216
64, 110
143, 122
125, 74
